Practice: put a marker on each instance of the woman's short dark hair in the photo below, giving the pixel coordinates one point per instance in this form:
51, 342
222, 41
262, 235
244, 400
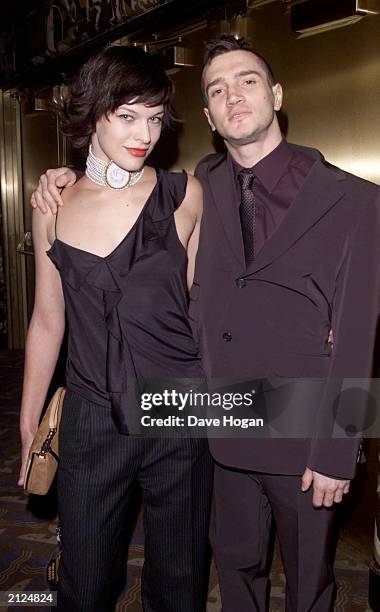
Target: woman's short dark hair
226, 43
114, 76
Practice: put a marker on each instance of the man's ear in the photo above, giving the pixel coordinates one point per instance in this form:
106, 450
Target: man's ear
207, 113
277, 93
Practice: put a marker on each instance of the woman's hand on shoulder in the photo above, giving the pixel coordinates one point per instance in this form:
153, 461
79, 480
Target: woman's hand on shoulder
47, 194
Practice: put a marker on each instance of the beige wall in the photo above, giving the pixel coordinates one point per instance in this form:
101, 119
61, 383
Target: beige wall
332, 90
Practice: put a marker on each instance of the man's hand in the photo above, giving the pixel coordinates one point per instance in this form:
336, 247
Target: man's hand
326, 490
50, 185
330, 339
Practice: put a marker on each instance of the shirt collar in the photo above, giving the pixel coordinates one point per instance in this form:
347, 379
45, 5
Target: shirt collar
272, 167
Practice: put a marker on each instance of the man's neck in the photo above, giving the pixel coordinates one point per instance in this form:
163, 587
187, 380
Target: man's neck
250, 154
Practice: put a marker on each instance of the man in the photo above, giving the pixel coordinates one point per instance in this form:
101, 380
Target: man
288, 251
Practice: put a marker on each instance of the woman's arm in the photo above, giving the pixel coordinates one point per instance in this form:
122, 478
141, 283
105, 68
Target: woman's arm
194, 204
44, 337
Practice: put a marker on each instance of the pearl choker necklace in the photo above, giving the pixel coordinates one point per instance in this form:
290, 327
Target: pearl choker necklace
109, 174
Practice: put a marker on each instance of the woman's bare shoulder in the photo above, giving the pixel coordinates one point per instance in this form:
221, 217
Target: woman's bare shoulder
82, 188
42, 228
193, 201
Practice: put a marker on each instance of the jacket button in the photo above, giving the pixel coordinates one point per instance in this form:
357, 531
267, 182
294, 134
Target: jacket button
227, 336
241, 283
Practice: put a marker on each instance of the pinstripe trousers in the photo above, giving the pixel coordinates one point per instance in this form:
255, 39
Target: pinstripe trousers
98, 471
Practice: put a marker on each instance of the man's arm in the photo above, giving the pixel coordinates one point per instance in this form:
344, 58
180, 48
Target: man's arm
326, 490
48, 191
355, 319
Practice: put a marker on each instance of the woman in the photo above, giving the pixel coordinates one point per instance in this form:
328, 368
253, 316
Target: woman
114, 262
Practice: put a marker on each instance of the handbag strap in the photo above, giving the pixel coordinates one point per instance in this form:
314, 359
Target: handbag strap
56, 403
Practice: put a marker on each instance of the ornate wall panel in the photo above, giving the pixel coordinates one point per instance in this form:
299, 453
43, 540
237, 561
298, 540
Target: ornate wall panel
12, 218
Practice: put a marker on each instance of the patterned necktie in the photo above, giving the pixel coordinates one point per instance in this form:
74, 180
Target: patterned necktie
247, 214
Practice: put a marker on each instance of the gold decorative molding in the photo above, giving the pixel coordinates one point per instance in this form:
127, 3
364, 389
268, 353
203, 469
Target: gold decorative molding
13, 218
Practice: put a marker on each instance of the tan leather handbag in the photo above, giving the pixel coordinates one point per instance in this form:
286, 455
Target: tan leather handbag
43, 454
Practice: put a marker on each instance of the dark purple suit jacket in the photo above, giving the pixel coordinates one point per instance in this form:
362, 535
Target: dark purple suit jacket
318, 270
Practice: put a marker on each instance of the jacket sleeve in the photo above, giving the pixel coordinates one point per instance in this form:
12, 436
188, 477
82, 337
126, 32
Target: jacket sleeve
355, 319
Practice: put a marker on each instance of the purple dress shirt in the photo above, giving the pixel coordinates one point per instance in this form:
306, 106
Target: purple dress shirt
278, 179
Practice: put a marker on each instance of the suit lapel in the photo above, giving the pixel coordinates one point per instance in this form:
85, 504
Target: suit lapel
322, 189
224, 195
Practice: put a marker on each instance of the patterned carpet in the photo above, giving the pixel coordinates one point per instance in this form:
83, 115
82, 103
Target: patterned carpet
27, 527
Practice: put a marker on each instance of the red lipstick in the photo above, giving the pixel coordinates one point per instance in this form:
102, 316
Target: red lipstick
137, 152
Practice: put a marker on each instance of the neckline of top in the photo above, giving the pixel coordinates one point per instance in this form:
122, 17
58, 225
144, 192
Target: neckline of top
105, 257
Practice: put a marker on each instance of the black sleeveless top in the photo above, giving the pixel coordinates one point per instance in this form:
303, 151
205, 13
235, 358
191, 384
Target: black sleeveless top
127, 312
